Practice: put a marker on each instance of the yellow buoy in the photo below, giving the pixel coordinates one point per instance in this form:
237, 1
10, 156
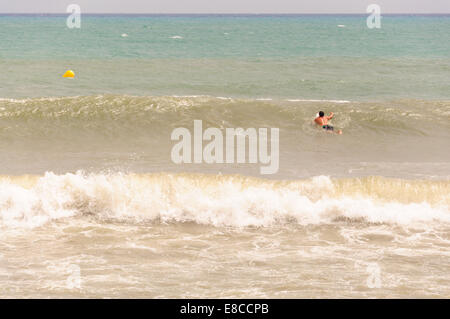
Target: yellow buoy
69, 74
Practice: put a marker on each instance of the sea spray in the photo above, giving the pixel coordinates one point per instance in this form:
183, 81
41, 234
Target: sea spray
219, 200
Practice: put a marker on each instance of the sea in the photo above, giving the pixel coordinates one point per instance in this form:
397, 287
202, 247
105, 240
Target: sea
92, 204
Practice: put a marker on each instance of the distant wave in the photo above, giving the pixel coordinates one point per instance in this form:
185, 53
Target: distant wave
106, 112
234, 201
305, 100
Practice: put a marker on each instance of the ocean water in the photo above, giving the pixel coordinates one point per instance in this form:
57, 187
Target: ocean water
92, 205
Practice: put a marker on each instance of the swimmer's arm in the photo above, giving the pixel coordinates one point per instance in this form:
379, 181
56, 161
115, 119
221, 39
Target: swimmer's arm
329, 117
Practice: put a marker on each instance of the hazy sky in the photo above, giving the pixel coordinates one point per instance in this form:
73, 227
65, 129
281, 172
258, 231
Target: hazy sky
225, 6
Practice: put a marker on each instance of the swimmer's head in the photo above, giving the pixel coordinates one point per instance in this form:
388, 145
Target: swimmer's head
321, 114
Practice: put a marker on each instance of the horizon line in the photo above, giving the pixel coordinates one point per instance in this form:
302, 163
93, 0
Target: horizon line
228, 13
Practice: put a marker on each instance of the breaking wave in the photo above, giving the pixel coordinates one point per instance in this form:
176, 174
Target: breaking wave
219, 200
107, 114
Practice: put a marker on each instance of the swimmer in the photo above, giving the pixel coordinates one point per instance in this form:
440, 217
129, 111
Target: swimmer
322, 120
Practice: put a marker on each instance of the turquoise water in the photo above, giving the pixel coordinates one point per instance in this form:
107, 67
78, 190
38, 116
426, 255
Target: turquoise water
306, 56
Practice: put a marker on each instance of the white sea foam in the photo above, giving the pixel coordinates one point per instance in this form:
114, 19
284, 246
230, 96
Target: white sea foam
204, 199
306, 100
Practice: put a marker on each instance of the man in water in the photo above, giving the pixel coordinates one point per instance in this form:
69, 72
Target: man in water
322, 120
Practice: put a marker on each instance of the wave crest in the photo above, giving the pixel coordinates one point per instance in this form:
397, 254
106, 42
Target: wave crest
236, 201
102, 111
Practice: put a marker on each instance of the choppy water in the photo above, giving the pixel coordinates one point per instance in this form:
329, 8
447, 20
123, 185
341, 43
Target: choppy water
403, 138
91, 204
168, 235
